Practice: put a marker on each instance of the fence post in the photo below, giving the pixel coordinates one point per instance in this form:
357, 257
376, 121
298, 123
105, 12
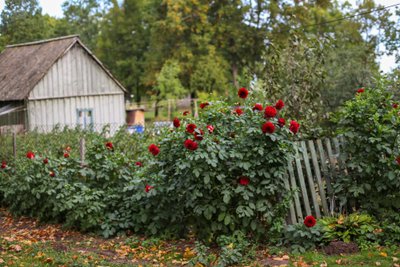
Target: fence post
15, 145
82, 150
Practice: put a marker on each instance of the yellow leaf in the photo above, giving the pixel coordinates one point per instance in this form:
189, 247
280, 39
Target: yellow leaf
383, 254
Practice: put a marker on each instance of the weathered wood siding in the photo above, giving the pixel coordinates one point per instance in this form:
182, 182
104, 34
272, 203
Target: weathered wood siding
75, 82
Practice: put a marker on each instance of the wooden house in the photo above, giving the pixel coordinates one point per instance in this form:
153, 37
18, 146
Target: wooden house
57, 82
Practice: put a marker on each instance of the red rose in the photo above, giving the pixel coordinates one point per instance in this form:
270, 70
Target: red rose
109, 145
30, 155
185, 113
153, 149
198, 134
138, 163
204, 104
190, 144
45, 161
148, 188
210, 128
398, 160
52, 174
361, 90
243, 180
258, 107
281, 122
238, 111
243, 93
395, 105
177, 122
310, 221
279, 105
268, 127
270, 112
294, 127
190, 128
4, 165
66, 155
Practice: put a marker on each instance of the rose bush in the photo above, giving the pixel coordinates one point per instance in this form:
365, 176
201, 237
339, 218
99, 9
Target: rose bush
229, 179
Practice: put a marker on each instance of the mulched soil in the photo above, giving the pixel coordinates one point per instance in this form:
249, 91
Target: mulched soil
340, 248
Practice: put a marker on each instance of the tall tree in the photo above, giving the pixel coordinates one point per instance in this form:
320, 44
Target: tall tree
22, 21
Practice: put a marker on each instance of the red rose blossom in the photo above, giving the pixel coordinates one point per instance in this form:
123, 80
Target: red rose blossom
45, 161
210, 128
294, 127
204, 104
147, 188
153, 149
243, 93
109, 145
243, 180
66, 155
190, 128
198, 134
30, 155
238, 111
310, 221
190, 144
185, 113
258, 107
268, 127
270, 112
398, 160
281, 122
279, 105
361, 90
138, 163
177, 122
395, 105
52, 174
3, 165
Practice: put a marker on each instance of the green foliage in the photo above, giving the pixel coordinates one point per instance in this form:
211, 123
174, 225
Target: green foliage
370, 126
300, 238
356, 227
202, 186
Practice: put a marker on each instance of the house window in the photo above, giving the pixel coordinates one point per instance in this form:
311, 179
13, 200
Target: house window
85, 118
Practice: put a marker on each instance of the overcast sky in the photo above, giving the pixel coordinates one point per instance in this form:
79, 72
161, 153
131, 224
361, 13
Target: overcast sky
53, 8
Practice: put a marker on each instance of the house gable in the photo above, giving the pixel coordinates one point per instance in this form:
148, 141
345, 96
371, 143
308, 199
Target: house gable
76, 73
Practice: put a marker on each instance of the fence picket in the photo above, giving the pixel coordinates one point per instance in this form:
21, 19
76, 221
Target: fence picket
296, 194
292, 213
321, 187
310, 179
302, 184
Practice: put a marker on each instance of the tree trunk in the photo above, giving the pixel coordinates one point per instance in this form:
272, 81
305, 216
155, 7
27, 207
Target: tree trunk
234, 75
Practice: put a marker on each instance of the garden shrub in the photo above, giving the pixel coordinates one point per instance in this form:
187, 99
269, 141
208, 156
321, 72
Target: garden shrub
370, 126
221, 172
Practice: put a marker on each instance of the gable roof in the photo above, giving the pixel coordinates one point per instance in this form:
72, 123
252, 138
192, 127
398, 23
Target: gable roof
22, 66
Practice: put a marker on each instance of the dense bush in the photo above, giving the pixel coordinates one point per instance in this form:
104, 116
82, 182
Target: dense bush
370, 125
85, 195
220, 173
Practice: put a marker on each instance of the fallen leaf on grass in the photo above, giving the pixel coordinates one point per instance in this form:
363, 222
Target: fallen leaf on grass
395, 259
48, 260
324, 264
383, 254
377, 263
1, 260
16, 248
339, 261
188, 254
285, 257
